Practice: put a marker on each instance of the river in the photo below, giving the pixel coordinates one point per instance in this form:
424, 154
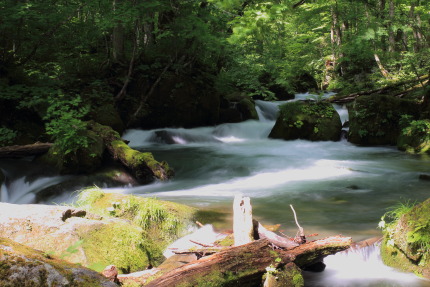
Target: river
335, 187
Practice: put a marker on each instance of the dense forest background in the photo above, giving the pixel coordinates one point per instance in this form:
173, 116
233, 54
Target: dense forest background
124, 63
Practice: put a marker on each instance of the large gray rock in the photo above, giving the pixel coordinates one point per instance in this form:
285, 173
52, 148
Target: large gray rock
24, 266
75, 235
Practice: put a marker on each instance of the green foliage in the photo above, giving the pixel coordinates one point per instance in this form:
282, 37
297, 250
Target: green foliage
7, 136
389, 219
418, 127
416, 232
65, 125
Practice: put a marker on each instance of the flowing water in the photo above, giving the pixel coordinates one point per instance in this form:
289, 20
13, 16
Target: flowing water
335, 187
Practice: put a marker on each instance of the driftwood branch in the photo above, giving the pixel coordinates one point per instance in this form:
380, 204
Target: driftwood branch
301, 232
273, 238
24, 150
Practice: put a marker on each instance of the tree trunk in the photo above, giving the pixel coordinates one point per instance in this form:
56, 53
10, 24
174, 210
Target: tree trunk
391, 38
24, 150
381, 67
242, 220
245, 265
118, 53
142, 164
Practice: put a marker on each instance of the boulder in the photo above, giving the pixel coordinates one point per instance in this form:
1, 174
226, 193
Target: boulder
24, 266
406, 243
310, 120
107, 229
375, 119
415, 137
84, 160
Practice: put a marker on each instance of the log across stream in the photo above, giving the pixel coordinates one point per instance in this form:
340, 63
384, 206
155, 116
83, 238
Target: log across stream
256, 254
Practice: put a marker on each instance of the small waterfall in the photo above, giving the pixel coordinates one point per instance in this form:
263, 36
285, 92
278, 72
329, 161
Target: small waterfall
23, 191
267, 111
360, 267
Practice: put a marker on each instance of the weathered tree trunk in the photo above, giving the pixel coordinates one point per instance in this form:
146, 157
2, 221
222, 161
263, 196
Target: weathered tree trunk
383, 71
247, 263
24, 150
118, 53
243, 229
391, 38
142, 164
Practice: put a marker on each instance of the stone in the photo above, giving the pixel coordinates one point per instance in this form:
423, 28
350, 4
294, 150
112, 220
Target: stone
309, 120
375, 119
23, 266
406, 242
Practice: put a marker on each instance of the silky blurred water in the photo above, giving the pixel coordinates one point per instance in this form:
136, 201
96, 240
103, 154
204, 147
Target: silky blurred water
335, 187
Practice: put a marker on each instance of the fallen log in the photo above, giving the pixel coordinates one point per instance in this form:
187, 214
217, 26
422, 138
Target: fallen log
16, 151
351, 97
142, 165
245, 265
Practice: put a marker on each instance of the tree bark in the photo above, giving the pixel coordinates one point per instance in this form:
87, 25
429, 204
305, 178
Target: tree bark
391, 38
24, 150
247, 263
383, 71
243, 228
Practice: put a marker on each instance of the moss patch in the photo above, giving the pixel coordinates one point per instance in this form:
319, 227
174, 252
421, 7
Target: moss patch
415, 136
23, 266
407, 238
375, 120
159, 222
119, 244
315, 121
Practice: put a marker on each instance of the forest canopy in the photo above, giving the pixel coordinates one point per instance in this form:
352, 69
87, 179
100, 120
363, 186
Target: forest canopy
61, 59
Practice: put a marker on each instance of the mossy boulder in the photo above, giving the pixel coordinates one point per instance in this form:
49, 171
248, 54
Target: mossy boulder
406, 243
162, 221
415, 137
126, 231
23, 266
375, 119
310, 120
84, 160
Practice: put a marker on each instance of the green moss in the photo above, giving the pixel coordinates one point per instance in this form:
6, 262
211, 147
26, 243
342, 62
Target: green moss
406, 244
137, 159
154, 224
375, 120
121, 245
307, 120
19, 257
227, 241
415, 136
